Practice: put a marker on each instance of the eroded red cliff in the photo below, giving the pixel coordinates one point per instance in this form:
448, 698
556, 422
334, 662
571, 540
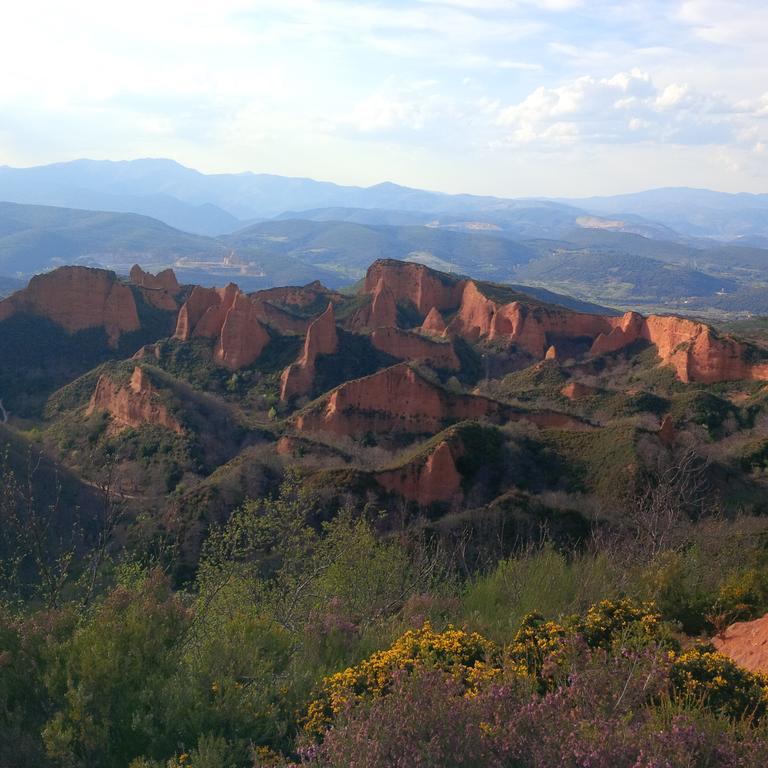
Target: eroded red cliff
408, 345
400, 400
423, 287
134, 404
693, 349
228, 316
322, 339
429, 479
77, 298
158, 290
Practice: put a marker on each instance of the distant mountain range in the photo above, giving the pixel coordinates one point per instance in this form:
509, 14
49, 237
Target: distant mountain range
680, 249
214, 204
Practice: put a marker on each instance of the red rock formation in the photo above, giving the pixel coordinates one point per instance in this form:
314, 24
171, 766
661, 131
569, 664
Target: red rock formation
408, 345
433, 323
399, 400
132, 405
551, 353
77, 298
435, 479
574, 390
695, 351
416, 283
282, 308
381, 312
322, 339
746, 642
158, 290
230, 317
242, 337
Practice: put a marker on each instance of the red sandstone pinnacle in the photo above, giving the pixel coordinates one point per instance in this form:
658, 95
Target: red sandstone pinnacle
434, 480
433, 323
322, 339
230, 317
746, 642
408, 345
77, 298
242, 337
158, 290
551, 353
132, 405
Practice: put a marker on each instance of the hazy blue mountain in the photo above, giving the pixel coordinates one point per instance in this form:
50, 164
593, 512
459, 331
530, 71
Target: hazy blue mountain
695, 212
347, 248
131, 189
214, 204
35, 238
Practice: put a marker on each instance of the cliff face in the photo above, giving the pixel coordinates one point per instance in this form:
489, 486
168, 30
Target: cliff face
435, 479
381, 312
321, 339
77, 298
158, 290
433, 323
408, 345
422, 286
230, 317
133, 405
399, 400
693, 349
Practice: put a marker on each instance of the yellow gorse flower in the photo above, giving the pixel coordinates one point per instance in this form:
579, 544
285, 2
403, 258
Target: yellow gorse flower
469, 657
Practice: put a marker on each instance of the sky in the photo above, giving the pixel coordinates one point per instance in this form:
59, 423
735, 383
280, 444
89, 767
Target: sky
558, 98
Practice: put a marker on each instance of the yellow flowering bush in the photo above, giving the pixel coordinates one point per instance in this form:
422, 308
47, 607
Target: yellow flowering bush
623, 619
538, 649
468, 657
705, 676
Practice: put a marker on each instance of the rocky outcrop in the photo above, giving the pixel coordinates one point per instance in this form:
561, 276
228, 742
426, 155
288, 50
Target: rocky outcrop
380, 312
77, 298
746, 642
423, 287
228, 316
242, 337
551, 353
158, 290
400, 400
427, 480
408, 345
433, 323
693, 349
322, 339
133, 405
285, 309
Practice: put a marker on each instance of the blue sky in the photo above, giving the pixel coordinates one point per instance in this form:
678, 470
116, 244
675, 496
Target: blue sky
506, 97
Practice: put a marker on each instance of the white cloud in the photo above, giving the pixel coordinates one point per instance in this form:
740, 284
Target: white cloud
628, 108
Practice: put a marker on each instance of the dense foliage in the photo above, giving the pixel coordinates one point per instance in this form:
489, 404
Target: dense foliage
302, 642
